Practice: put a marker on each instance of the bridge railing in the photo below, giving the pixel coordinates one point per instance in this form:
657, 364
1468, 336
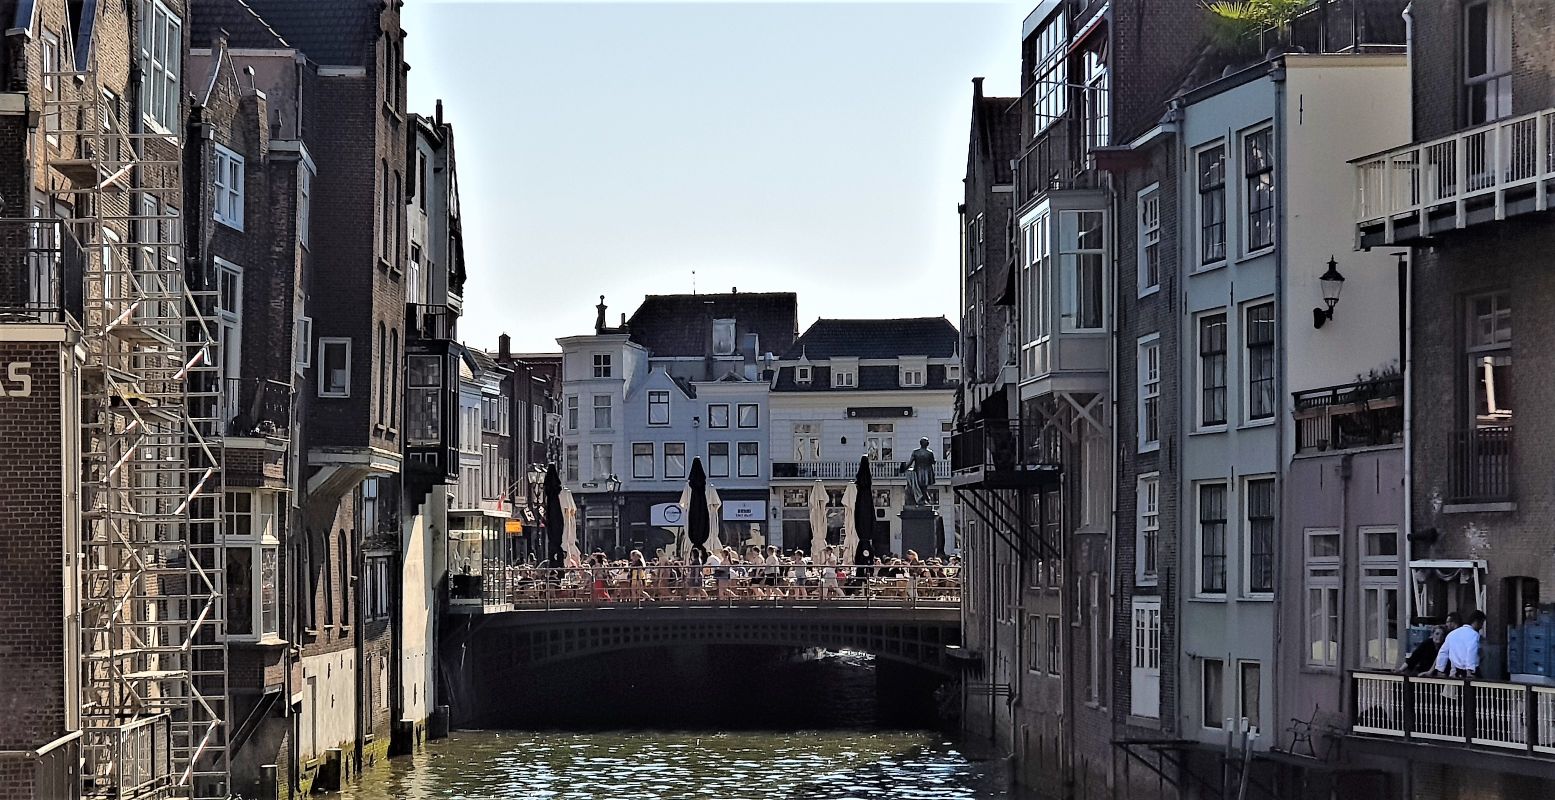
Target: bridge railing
742, 585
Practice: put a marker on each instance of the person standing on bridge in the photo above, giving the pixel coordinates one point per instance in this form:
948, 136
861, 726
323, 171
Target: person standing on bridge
598, 569
637, 575
715, 563
829, 573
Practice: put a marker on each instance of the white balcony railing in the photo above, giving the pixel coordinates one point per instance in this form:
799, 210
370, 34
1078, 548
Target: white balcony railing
1508, 716
1434, 185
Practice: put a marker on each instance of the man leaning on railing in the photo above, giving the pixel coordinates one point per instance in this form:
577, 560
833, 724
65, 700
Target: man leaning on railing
1459, 656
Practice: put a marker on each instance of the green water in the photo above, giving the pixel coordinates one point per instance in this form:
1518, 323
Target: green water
472, 765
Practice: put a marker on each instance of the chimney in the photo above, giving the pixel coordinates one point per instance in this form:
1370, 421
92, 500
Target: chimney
623, 319
599, 320
439, 113
504, 348
977, 87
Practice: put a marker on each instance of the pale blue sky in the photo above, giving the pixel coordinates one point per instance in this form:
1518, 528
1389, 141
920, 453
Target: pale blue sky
614, 148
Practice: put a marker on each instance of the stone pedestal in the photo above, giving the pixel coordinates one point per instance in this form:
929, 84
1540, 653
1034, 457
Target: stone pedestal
920, 531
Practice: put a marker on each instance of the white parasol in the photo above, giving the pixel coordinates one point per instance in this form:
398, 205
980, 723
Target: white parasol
849, 524
714, 520
682, 545
570, 525
817, 522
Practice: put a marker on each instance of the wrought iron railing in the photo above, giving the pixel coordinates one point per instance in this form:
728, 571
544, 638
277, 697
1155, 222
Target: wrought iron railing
428, 322
1497, 714
257, 407
839, 470
1000, 446
42, 267
1364, 414
1481, 465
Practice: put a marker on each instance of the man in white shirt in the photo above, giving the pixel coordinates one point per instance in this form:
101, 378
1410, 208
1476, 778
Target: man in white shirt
1460, 650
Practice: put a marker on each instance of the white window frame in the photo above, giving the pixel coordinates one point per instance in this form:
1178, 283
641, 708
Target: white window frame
1219, 722
230, 322
161, 66
1498, 77
1380, 576
1248, 719
880, 441
1198, 538
324, 387
802, 373
52, 60
1318, 616
228, 171
1199, 373
1245, 179
1246, 538
807, 441
914, 376
1148, 376
608, 407
1145, 657
1149, 204
724, 337
1147, 527
304, 201
1069, 254
604, 450
1201, 261
304, 344
658, 398
262, 542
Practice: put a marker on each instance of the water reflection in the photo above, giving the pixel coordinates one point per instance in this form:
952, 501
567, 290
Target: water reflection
654, 765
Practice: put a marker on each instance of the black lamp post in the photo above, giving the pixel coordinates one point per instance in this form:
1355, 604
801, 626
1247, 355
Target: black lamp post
613, 483
1332, 283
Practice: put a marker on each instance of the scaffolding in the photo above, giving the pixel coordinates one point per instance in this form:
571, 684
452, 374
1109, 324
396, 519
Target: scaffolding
153, 640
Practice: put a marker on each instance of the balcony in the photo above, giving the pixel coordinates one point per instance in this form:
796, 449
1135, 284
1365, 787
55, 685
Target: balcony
1354, 415
1002, 454
1481, 466
431, 322
1495, 716
1473, 177
41, 271
847, 470
256, 407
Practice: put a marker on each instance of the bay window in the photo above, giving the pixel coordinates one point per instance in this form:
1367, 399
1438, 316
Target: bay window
253, 565
1082, 270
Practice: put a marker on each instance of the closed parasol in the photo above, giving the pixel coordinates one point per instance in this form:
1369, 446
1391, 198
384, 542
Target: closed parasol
817, 522
570, 525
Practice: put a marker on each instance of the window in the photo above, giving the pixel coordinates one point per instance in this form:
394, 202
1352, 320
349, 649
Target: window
1145, 662
1051, 95
674, 460
658, 408
1037, 655
1098, 125
879, 441
1148, 494
1094, 632
602, 410
1259, 334
227, 173
1489, 348
424, 400
642, 460
1212, 204
53, 62
807, 441
1150, 392
1212, 369
1055, 646
302, 349
750, 459
1035, 274
1379, 598
376, 591
1212, 538
723, 337
1082, 271
1322, 590
161, 46
1149, 240
1213, 688
1487, 63
1258, 169
718, 415
571, 459
717, 459
304, 202
229, 333
604, 462
748, 415
945, 428
422, 190
385, 211
802, 374
1249, 692
913, 376
1261, 503
383, 371
844, 377
253, 564
602, 365
572, 412
334, 367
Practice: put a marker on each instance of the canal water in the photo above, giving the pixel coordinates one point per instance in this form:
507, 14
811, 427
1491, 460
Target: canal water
753, 726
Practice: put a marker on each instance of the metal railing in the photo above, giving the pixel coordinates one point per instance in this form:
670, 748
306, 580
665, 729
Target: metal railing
138, 758
428, 322
525, 587
839, 470
1479, 167
1481, 465
256, 407
1000, 446
42, 267
1365, 414
1509, 716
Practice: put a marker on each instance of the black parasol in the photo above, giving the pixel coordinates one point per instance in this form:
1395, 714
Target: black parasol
554, 524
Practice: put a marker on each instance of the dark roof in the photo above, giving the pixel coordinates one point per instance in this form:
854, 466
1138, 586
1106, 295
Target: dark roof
1000, 123
243, 26
329, 32
681, 324
933, 337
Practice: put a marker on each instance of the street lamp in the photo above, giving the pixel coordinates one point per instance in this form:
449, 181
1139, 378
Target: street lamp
613, 485
536, 497
1333, 284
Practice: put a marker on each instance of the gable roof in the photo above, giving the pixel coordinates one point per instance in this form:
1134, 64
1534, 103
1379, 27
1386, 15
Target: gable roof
333, 33
931, 337
244, 27
681, 324
996, 122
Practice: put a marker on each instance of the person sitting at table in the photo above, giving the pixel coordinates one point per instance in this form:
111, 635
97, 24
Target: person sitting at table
1423, 657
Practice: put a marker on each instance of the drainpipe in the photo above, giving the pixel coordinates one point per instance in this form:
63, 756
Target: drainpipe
1281, 384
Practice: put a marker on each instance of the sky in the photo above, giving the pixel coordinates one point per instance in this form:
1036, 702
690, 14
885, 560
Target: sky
618, 148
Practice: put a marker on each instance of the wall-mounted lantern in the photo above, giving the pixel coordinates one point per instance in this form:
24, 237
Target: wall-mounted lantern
1333, 284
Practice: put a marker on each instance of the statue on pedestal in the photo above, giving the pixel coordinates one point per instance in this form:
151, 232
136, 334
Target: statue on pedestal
919, 468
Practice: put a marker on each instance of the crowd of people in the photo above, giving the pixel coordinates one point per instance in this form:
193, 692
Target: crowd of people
749, 573
1452, 649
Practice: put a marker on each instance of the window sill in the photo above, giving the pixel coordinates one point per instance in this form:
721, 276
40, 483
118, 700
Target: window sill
1253, 254
1256, 423
229, 223
1153, 723
1151, 582
1210, 267
1257, 598
1207, 430
1479, 508
1150, 448
1143, 293
1207, 598
334, 396
393, 112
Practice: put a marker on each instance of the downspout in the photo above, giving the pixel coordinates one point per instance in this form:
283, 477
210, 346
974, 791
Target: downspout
1281, 384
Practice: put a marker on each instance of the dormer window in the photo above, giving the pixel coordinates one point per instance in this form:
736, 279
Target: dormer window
843, 378
723, 337
913, 372
953, 372
802, 374
912, 376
